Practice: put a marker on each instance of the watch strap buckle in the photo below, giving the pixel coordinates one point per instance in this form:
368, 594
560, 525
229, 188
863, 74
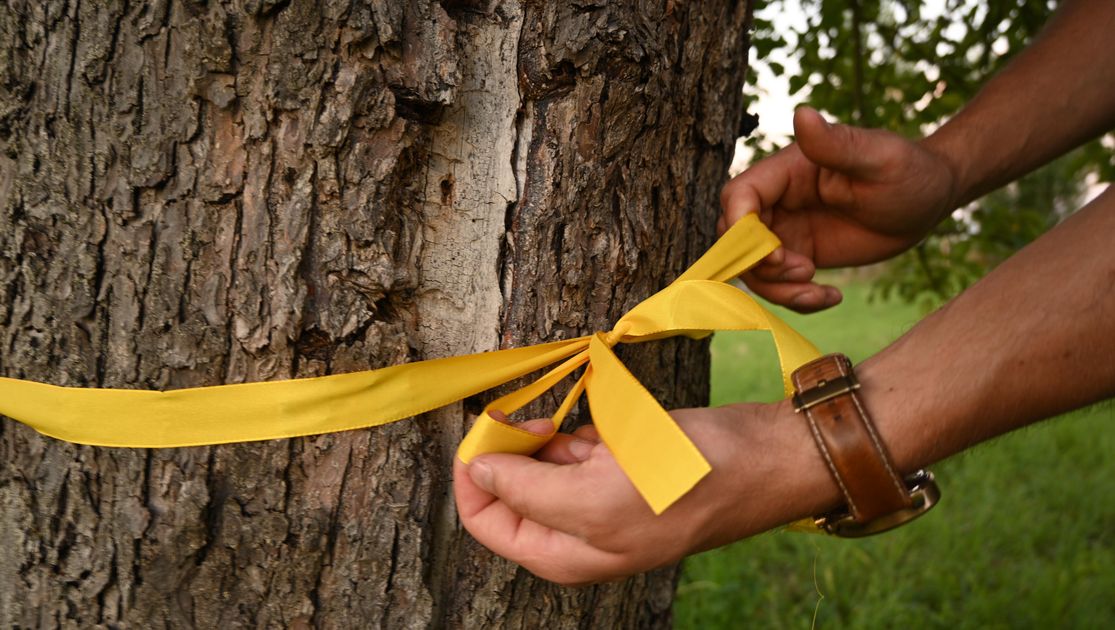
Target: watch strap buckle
824, 391
924, 494
876, 497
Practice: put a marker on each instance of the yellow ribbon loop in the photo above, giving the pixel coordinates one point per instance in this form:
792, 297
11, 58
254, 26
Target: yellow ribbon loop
660, 460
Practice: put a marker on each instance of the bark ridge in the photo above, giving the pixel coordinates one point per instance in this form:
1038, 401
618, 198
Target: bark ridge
194, 193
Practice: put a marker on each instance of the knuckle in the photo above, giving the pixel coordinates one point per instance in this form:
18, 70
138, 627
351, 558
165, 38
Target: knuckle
587, 431
596, 533
844, 133
513, 493
604, 534
520, 503
850, 142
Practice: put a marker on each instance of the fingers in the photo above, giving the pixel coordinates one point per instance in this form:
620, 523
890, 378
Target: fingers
541, 426
758, 188
562, 448
547, 493
789, 282
803, 297
520, 481
537, 514
851, 150
546, 552
587, 432
567, 449
787, 266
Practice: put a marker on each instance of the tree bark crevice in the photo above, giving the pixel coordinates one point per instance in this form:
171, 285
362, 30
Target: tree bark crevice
244, 190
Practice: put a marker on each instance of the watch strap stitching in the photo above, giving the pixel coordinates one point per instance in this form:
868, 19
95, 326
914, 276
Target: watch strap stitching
828, 460
845, 367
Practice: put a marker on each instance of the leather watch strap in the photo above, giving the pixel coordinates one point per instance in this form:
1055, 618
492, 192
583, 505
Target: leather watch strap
826, 394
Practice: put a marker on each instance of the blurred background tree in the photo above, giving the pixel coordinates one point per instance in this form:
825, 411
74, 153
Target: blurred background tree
908, 66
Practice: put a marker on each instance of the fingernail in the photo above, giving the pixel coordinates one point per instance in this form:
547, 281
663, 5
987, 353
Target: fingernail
481, 474
539, 426
796, 274
581, 449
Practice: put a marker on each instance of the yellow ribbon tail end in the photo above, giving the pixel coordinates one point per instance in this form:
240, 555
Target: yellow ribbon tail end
653, 451
489, 435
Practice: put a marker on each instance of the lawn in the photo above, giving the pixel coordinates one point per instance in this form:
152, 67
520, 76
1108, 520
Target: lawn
1024, 536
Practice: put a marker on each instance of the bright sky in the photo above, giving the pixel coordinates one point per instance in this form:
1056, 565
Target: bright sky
774, 104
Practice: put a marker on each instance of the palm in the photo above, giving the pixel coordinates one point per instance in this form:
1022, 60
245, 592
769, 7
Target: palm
840, 196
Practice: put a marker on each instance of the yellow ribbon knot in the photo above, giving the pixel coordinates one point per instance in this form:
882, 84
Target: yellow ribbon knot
615, 335
655, 454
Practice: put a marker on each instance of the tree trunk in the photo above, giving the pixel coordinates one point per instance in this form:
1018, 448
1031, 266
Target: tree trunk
197, 193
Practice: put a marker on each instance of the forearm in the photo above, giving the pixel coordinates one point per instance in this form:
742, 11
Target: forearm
1053, 96
1033, 339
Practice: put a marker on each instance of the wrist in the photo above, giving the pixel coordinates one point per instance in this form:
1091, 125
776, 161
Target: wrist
767, 472
877, 497
950, 154
814, 490
901, 388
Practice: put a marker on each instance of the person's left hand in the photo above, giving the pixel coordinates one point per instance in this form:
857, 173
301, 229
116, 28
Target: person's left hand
570, 515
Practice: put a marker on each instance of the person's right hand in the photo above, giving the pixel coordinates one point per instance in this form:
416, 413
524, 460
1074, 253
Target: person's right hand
838, 196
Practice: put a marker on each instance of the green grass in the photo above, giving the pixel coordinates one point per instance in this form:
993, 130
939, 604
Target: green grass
1024, 536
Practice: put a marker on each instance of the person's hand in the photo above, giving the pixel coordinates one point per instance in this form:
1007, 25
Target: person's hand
571, 516
838, 196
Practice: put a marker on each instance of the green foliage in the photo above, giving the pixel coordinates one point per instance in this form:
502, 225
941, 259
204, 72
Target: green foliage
895, 65
976, 239
887, 63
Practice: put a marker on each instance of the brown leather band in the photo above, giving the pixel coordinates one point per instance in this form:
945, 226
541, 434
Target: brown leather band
847, 438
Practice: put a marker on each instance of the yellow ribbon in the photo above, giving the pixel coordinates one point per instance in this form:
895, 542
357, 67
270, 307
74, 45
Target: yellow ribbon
660, 460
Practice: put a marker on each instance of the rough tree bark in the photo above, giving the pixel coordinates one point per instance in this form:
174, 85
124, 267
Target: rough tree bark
196, 193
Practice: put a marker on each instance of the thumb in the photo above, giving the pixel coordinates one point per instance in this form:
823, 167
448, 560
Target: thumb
551, 494
850, 150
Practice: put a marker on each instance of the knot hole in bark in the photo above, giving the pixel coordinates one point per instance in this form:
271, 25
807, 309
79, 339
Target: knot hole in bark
447, 189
